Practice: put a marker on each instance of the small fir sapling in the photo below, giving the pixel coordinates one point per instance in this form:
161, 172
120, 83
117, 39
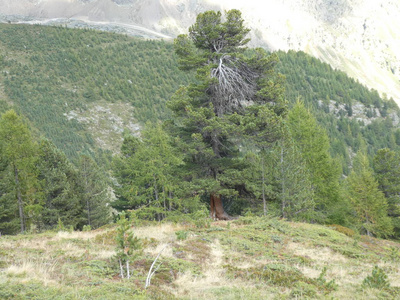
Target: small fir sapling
128, 246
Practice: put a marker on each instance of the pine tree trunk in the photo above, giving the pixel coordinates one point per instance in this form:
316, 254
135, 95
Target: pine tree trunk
367, 221
169, 200
156, 196
263, 187
19, 197
165, 202
87, 198
212, 208
155, 188
216, 209
283, 186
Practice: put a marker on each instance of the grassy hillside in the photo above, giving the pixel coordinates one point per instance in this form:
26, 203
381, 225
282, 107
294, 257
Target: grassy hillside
83, 88
248, 258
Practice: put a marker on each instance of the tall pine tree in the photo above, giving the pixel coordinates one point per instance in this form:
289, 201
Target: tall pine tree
62, 189
96, 192
368, 202
147, 175
236, 95
313, 143
387, 172
17, 152
296, 195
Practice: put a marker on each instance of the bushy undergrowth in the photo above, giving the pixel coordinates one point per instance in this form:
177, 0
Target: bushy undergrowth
347, 231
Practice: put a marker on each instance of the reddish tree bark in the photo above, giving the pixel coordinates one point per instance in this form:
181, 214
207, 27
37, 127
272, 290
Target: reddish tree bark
216, 209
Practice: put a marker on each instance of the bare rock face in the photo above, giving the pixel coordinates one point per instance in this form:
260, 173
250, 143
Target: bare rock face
360, 37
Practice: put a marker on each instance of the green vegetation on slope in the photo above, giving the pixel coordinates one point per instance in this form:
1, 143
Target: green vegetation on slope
349, 112
217, 147
251, 258
47, 72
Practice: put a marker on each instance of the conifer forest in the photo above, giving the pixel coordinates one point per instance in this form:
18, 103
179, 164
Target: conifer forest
225, 134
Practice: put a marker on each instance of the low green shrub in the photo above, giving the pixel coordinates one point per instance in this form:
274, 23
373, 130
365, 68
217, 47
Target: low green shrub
378, 279
181, 235
303, 290
99, 268
394, 254
285, 276
328, 286
339, 228
86, 228
276, 274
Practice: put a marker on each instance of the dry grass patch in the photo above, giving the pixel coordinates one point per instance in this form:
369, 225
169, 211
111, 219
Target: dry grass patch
42, 270
219, 287
323, 254
165, 249
394, 275
156, 237
213, 276
195, 250
83, 235
162, 232
309, 271
105, 254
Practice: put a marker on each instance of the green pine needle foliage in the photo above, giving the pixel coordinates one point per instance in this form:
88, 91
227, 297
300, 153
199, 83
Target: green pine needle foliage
378, 279
128, 245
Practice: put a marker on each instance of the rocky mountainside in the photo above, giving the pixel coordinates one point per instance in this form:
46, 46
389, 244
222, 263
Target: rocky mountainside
360, 37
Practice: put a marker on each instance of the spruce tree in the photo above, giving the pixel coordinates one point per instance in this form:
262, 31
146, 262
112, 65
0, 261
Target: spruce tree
96, 192
9, 221
368, 202
147, 174
387, 173
236, 96
62, 189
279, 175
313, 143
17, 152
296, 194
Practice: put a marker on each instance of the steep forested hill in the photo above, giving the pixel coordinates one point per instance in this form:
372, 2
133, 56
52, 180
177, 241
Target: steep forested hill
52, 74
82, 88
348, 111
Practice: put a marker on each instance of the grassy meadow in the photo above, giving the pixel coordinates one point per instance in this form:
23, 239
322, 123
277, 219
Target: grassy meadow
247, 258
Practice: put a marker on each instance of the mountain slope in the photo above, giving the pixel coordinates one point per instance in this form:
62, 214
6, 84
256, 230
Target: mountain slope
83, 88
358, 37
66, 81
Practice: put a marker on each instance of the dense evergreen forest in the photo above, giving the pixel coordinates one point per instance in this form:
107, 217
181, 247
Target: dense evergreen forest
50, 71
304, 142
350, 113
